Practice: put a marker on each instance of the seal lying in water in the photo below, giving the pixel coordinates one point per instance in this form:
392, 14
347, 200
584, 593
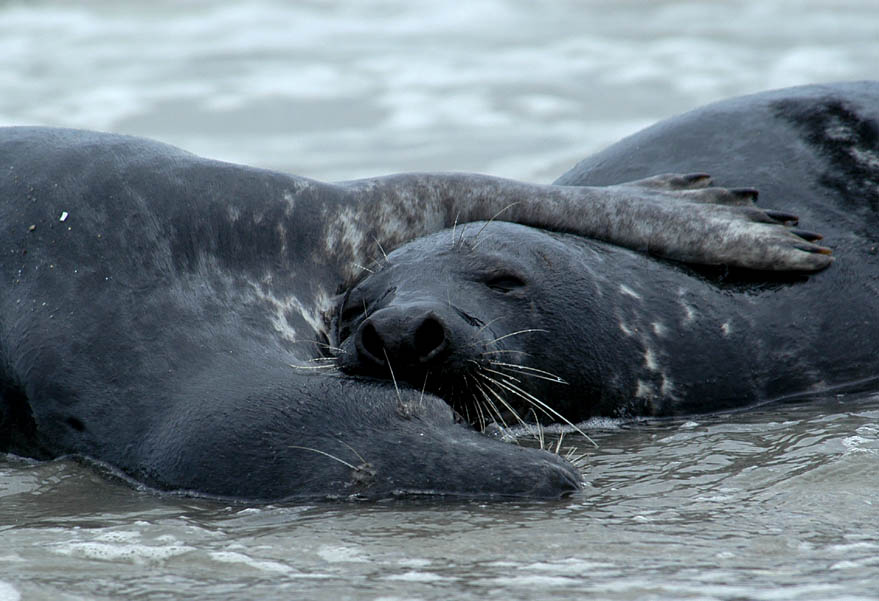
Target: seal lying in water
159, 311
513, 319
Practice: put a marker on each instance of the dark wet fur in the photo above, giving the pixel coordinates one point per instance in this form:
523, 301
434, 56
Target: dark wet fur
811, 151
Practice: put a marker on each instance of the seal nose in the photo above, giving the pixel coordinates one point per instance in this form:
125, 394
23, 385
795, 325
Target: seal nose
407, 336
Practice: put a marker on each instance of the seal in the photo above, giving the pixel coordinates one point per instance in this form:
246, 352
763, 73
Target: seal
508, 320
161, 314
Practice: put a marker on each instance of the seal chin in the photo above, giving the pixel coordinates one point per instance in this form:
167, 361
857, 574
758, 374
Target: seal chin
428, 349
547, 481
505, 471
557, 480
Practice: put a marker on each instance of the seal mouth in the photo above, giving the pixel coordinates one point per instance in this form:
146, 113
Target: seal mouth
478, 369
476, 377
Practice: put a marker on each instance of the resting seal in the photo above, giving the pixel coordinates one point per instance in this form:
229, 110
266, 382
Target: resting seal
515, 320
161, 313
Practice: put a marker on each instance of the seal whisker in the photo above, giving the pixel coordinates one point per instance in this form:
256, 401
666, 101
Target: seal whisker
540, 438
467, 413
485, 325
379, 244
454, 226
294, 366
353, 450
578, 461
530, 371
423, 388
498, 351
509, 378
463, 233
393, 378
329, 347
359, 266
478, 407
534, 401
522, 422
503, 401
333, 457
491, 405
487, 223
510, 335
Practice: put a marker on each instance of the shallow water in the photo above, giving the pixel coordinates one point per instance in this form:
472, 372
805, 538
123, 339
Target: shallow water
771, 504
774, 504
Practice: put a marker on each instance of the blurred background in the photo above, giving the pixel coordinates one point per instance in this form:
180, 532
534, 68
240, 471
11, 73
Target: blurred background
350, 88
778, 504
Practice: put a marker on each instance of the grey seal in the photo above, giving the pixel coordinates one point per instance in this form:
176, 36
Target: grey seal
517, 320
163, 314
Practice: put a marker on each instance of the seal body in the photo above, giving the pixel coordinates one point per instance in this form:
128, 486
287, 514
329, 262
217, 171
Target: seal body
817, 146
166, 315
159, 313
515, 320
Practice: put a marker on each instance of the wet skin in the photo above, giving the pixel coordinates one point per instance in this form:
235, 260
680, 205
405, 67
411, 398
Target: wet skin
162, 314
514, 320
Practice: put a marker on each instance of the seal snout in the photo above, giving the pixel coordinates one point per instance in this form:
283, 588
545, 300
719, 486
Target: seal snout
404, 336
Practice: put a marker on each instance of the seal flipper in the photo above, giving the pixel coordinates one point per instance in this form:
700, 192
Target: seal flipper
672, 216
675, 181
339, 438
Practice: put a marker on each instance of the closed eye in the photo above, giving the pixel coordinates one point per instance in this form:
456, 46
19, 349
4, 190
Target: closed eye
505, 283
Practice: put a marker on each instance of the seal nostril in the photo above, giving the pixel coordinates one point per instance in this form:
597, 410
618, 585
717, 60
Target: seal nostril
370, 343
430, 338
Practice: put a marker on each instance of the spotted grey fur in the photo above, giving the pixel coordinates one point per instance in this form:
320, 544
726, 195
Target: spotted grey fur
631, 335
161, 313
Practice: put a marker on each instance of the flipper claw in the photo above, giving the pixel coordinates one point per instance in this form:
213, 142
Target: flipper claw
808, 236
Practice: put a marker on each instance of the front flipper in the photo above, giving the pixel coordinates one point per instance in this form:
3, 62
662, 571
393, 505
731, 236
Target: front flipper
674, 216
697, 187
736, 231
673, 181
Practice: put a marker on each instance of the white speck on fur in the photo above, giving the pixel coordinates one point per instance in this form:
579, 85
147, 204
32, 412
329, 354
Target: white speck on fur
867, 158
625, 329
291, 304
290, 199
650, 360
726, 328
689, 313
839, 132
344, 231
629, 292
659, 329
644, 390
282, 235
